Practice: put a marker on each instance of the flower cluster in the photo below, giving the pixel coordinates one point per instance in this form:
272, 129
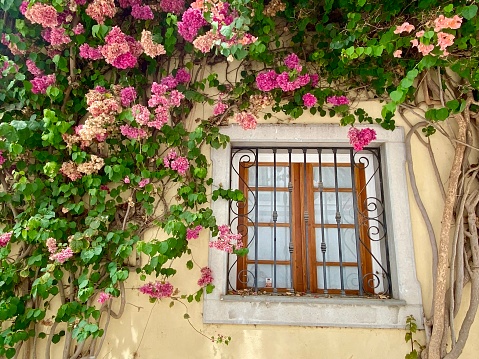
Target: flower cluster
206, 277
164, 97
151, 48
286, 81
98, 10
57, 36
142, 12
193, 233
191, 22
143, 182
61, 255
157, 290
227, 241
361, 138
173, 6
42, 14
274, 7
41, 83
90, 53
309, 100
133, 133
422, 43
33, 69
219, 108
74, 172
5, 238
338, 100
103, 297
120, 50
128, 95
176, 163
78, 29
247, 120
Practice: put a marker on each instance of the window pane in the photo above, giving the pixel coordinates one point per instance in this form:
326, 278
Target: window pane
344, 177
266, 205
346, 207
266, 176
348, 245
266, 271
333, 279
266, 243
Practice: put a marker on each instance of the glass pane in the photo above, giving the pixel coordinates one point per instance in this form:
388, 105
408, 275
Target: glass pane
344, 177
346, 207
266, 243
265, 271
348, 245
266, 176
333, 279
266, 205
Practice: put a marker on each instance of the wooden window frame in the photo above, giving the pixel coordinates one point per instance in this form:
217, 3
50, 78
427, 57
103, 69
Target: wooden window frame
300, 266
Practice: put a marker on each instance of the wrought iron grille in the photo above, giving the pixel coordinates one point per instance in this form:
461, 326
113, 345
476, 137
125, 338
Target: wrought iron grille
313, 220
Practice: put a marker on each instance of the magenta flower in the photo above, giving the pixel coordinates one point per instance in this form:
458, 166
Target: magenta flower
266, 81
144, 182
41, 83
78, 29
5, 238
157, 290
309, 100
169, 81
337, 100
2, 159
103, 297
206, 277
361, 138
183, 76
191, 21
220, 108
142, 12
128, 95
173, 6
292, 62
133, 133
193, 233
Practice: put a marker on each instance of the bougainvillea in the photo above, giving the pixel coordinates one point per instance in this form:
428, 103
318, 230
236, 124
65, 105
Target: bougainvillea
103, 136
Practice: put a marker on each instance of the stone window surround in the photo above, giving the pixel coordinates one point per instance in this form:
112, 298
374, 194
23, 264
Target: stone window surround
220, 307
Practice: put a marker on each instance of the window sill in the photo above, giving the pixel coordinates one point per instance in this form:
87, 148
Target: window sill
310, 311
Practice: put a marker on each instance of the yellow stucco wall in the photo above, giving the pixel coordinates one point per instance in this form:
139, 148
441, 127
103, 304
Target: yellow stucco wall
150, 331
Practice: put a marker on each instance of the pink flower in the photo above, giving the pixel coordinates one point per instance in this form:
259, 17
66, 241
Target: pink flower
133, 133
191, 21
206, 277
2, 159
314, 79
143, 182
125, 61
266, 81
193, 233
78, 29
447, 23
205, 42
444, 40
141, 114
142, 12
309, 100
246, 119
180, 165
338, 100
227, 241
33, 69
182, 76
41, 83
58, 36
157, 290
397, 53
175, 98
173, 6
45, 15
103, 297
220, 108
51, 245
420, 33
150, 47
169, 81
63, 255
361, 138
101, 9
126, 179
91, 53
5, 238
158, 89
405, 27
425, 49
414, 42
292, 62
128, 95
23, 7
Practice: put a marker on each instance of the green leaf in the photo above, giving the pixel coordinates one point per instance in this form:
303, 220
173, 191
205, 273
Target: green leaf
469, 12
396, 96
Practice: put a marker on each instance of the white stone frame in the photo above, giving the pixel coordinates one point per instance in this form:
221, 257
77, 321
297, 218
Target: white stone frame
219, 307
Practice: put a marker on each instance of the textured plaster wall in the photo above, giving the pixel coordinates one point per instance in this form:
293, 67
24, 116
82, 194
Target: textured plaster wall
151, 331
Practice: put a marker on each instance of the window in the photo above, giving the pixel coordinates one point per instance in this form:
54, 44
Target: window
359, 303
312, 220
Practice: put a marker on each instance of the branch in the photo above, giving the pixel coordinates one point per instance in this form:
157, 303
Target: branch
49, 340
122, 302
5, 188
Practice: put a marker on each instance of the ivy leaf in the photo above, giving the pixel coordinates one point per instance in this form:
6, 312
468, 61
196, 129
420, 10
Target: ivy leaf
469, 12
396, 96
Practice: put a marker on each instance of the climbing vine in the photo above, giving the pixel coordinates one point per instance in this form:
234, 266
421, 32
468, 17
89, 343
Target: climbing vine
103, 139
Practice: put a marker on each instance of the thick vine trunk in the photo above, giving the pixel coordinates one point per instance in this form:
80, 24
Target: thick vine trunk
435, 343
